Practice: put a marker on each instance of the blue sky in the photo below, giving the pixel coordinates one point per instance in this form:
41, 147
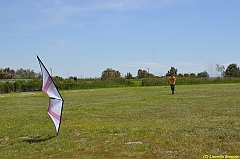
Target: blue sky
82, 37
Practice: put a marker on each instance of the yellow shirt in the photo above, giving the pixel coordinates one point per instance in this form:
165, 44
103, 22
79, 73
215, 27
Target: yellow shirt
172, 79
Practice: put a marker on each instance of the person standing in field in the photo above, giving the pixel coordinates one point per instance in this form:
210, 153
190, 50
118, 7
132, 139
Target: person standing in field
172, 81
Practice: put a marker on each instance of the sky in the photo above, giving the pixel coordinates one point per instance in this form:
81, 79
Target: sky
84, 37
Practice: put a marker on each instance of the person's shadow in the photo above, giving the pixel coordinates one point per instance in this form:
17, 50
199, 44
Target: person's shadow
38, 139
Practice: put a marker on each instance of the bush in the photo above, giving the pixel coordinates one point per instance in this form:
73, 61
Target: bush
27, 85
20, 86
94, 83
1, 87
8, 87
188, 81
154, 81
35, 84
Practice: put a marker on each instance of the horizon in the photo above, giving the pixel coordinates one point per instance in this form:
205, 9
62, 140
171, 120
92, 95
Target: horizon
218, 73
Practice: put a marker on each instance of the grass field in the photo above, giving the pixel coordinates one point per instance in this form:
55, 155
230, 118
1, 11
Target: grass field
134, 122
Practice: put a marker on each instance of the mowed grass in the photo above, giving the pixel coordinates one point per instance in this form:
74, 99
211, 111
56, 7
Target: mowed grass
134, 122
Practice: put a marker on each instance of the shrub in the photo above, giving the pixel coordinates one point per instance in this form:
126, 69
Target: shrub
188, 81
8, 87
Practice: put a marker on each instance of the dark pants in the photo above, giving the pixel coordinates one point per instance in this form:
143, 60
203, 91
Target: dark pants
173, 87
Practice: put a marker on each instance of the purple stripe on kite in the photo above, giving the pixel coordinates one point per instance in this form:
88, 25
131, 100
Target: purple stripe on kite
47, 85
53, 113
50, 111
54, 116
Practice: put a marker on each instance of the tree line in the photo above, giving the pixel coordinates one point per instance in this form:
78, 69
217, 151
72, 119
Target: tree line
110, 74
232, 70
21, 73
23, 80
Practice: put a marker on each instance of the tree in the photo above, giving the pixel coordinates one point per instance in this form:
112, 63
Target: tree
142, 74
203, 74
180, 75
172, 71
22, 73
186, 75
232, 71
220, 69
7, 73
128, 76
1, 74
193, 75
110, 75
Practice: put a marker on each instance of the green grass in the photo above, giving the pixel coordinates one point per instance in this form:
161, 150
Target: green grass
134, 122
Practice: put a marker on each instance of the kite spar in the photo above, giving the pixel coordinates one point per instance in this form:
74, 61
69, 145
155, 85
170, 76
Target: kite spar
56, 100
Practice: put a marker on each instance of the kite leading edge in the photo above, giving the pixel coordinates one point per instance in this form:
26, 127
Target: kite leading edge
56, 100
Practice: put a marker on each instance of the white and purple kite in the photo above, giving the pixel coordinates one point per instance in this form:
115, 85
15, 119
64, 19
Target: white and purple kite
56, 100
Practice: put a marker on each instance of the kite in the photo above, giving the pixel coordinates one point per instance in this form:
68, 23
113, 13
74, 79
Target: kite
56, 100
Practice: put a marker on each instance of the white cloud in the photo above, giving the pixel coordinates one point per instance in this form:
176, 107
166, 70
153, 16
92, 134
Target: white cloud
117, 5
143, 64
59, 13
67, 10
188, 64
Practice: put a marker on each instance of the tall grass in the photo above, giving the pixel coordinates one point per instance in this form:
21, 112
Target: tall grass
94, 83
188, 81
69, 84
20, 85
33, 85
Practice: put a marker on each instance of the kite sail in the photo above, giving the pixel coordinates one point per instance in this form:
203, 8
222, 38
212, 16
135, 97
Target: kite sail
56, 100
